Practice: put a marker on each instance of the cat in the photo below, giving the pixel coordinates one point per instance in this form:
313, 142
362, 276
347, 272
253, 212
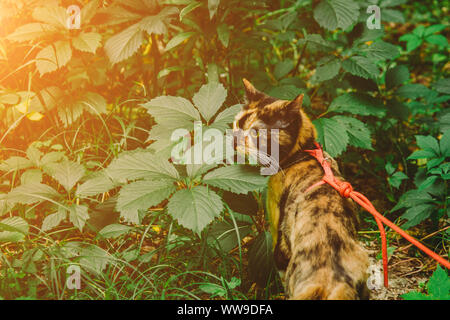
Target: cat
314, 233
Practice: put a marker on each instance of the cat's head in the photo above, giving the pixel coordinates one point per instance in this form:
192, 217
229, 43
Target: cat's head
295, 130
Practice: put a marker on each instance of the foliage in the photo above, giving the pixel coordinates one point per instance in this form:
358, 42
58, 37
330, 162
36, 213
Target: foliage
438, 288
92, 174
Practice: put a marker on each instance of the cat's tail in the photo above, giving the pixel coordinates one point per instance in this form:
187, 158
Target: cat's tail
341, 291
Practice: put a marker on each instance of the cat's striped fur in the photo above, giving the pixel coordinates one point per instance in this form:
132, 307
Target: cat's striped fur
315, 232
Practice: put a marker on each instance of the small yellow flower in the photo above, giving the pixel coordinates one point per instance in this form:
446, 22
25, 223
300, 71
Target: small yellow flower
157, 229
368, 42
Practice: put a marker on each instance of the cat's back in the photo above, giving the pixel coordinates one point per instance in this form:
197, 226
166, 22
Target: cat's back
316, 236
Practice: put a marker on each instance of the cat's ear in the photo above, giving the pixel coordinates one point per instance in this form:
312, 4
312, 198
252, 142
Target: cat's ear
297, 102
251, 92
295, 105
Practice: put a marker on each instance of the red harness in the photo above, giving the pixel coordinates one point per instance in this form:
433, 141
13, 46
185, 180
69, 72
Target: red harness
345, 190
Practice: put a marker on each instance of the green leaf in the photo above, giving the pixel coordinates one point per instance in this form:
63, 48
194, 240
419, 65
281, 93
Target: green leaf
226, 117
54, 219
439, 285
413, 90
282, 68
260, 259
381, 50
178, 39
195, 208
52, 14
358, 103
173, 112
428, 143
31, 31
88, 11
141, 164
66, 172
78, 214
289, 92
396, 76
413, 198
358, 133
99, 183
332, 134
412, 41
87, 42
94, 103
189, 8
157, 24
396, 179
391, 15
124, 44
421, 154
114, 230
417, 214
327, 71
141, 195
15, 163
413, 295
433, 29
429, 181
317, 42
361, 67
223, 32
442, 86
32, 193
391, 3
53, 57
14, 224
209, 99
437, 39
239, 179
444, 144
333, 14
213, 5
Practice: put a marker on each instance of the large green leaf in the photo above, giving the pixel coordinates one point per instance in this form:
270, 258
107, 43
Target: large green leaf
195, 208
139, 165
172, 112
78, 214
327, 71
358, 133
361, 67
114, 230
333, 14
54, 219
358, 103
52, 14
381, 50
178, 39
209, 99
224, 118
53, 57
31, 31
396, 76
87, 41
14, 224
32, 193
413, 90
66, 172
141, 195
332, 134
236, 178
96, 184
124, 44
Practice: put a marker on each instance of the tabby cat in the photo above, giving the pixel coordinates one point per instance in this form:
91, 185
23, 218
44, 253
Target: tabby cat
315, 232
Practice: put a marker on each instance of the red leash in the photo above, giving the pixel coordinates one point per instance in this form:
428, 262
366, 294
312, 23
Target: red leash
345, 189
